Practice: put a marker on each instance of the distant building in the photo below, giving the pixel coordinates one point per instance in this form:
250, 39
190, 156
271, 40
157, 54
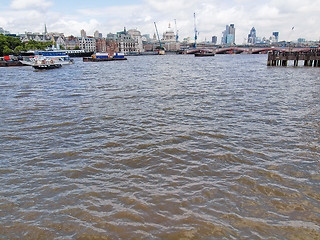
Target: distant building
57, 38
136, 35
169, 35
229, 35
4, 32
276, 36
112, 46
88, 44
214, 39
252, 37
97, 34
126, 43
39, 37
170, 41
72, 42
146, 38
111, 36
83, 33
101, 45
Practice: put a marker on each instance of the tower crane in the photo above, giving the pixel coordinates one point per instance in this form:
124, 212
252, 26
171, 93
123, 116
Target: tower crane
177, 32
161, 51
196, 33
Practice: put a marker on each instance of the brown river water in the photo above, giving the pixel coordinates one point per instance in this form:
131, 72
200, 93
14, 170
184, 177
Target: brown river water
160, 147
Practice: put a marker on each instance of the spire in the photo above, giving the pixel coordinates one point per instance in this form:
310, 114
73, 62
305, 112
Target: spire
45, 29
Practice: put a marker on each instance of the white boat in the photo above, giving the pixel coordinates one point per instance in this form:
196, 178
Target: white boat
46, 62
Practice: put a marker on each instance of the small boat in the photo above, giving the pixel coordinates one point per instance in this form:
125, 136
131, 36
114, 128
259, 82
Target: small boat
100, 57
204, 54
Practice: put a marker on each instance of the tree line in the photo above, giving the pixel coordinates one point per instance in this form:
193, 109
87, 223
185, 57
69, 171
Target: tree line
13, 46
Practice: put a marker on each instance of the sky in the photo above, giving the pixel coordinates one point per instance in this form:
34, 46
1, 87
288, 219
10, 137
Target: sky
293, 19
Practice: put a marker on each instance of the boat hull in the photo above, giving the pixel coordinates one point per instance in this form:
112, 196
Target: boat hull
91, 59
47, 66
11, 64
204, 54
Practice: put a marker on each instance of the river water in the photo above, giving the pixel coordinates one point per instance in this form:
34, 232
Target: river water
160, 147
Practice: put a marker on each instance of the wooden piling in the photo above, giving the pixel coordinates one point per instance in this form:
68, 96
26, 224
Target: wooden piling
281, 58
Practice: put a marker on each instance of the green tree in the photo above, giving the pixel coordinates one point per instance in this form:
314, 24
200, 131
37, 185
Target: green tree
3, 43
76, 48
7, 51
13, 42
18, 50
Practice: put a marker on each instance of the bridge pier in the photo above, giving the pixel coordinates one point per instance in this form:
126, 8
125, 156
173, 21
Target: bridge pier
281, 58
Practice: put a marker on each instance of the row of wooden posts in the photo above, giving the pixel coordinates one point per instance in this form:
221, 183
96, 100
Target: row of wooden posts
278, 58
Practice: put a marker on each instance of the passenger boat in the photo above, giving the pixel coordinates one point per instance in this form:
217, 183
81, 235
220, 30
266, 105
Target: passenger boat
46, 62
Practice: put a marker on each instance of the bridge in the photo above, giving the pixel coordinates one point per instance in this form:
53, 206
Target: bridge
248, 50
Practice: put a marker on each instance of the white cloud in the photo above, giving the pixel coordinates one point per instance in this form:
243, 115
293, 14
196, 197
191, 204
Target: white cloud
212, 17
30, 4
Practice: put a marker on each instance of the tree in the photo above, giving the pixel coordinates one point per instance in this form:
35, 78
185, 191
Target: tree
76, 48
10, 45
7, 51
18, 50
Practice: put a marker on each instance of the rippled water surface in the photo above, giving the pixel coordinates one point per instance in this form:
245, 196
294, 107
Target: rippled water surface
160, 147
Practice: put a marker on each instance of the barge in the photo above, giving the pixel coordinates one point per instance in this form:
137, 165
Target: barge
101, 57
10, 61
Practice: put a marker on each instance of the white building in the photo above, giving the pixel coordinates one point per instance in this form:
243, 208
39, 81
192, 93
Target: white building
126, 43
88, 44
57, 38
35, 36
136, 35
169, 35
170, 41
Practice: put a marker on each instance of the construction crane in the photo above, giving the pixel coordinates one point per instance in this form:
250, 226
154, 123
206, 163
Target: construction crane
195, 31
158, 34
177, 32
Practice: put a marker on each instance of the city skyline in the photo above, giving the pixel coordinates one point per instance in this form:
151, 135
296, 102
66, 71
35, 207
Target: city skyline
292, 19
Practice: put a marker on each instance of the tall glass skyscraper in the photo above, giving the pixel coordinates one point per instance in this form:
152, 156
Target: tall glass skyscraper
252, 36
229, 35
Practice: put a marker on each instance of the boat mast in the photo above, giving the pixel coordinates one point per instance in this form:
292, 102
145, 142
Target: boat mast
158, 34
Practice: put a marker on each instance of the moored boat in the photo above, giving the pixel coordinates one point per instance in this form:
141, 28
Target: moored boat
10, 61
99, 57
204, 54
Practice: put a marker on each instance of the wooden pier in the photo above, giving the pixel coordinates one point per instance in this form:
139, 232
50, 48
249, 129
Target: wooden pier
281, 58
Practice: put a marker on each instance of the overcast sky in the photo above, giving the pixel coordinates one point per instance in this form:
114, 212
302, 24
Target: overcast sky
293, 19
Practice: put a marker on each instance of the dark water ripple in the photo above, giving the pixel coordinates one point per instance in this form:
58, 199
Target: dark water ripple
160, 147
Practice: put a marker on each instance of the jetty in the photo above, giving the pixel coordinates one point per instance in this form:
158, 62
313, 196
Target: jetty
311, 57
